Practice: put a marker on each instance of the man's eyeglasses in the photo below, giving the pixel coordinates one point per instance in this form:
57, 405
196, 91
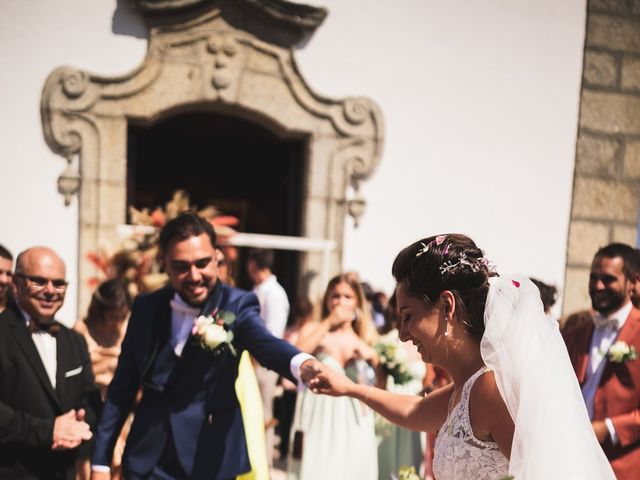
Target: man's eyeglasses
182, 267
38, 283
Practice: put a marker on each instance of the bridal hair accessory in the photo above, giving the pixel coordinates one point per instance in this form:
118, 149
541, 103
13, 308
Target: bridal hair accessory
475, 264
449, 266
438, 241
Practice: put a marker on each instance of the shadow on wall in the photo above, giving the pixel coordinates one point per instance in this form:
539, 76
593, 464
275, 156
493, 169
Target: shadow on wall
126, 21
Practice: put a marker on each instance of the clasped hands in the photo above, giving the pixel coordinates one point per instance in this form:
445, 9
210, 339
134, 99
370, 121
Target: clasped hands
322, 379
70, 430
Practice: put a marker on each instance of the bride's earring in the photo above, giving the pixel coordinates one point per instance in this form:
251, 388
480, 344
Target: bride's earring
446, 311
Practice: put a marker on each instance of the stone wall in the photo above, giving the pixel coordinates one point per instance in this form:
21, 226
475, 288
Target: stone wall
606, 184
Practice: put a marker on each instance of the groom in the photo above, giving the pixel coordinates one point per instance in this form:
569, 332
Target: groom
611, 383
188, 424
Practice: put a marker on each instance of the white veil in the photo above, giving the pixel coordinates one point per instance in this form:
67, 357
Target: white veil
553, 435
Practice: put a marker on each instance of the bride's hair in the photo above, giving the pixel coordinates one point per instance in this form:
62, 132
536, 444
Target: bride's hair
448, 262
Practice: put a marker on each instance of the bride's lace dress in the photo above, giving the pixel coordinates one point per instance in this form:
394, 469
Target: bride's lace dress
458, 454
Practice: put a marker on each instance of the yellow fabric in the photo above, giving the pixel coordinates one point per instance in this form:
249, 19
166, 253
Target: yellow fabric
253, 418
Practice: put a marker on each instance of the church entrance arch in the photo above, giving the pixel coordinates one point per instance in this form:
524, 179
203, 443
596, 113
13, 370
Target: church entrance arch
226, 57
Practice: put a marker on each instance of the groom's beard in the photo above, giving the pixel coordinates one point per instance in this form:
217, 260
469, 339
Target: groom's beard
196, 293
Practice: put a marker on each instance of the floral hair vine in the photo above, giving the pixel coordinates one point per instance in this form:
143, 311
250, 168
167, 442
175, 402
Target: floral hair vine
474, 264
450, 266
438, 241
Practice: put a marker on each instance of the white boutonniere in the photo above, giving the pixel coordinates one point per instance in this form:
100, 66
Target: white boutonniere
620, 352
212, 331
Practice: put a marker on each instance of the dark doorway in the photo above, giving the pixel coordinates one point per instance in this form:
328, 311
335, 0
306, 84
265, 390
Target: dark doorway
238, 166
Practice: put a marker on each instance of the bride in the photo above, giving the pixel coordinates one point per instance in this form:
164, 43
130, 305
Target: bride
514, 407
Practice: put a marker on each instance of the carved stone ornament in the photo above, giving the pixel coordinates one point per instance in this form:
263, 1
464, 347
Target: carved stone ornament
229, 57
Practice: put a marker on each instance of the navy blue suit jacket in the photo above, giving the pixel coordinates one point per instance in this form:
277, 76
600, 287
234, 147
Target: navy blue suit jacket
197, 403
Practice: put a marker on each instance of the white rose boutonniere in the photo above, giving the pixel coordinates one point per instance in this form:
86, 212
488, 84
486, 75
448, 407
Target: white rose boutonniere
620, 352
211, 331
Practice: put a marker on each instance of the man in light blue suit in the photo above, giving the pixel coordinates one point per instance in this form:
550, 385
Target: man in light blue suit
188, 424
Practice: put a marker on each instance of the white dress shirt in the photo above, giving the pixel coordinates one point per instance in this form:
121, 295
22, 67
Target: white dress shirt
602, 339
47, 349
274, 305
182, 321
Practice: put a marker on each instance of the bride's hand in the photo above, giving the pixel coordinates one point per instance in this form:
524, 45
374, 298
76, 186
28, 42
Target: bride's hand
330, 382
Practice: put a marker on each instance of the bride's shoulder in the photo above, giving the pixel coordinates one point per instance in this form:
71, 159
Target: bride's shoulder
490, 417
484, 395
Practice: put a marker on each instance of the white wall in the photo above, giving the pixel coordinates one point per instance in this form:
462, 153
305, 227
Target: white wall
37, 36
480, 100
481, 108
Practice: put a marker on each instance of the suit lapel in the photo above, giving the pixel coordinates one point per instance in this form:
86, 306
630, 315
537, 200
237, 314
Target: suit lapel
63, 356
25, 343
160, 331
581, 346
627, 333
211, 306
192, 351
630, 328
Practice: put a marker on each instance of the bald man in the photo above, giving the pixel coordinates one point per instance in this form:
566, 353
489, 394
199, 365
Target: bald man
48, 397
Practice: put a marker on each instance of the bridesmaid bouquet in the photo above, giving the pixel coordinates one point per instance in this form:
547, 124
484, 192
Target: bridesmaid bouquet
393, 357
406, 473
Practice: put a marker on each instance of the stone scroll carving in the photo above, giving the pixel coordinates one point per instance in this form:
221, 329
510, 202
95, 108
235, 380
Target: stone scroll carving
210, 61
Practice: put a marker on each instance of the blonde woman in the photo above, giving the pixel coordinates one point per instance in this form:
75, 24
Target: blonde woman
334, 437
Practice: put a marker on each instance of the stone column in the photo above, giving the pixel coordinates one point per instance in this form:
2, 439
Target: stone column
607, 171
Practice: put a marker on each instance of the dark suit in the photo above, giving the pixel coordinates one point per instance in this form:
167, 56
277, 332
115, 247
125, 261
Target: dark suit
189, 403
29, 404
618, 394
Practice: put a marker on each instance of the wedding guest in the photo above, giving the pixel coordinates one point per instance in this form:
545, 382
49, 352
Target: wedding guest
635, 292
608, 372
399, 447
48, 397
337, 434
274, 310
284, 407
548, 294
576, 319
224, 269
491, 335
103, 329
379, 304
6, 274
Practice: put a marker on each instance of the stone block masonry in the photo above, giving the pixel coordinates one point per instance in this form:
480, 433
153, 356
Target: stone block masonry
606, 185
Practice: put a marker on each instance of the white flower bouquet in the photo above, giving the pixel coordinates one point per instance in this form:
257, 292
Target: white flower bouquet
393, 357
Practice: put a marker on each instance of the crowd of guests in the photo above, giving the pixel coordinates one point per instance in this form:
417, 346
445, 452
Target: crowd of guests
54, 382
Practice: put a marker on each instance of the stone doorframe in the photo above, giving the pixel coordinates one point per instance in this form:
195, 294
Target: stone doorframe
233, 58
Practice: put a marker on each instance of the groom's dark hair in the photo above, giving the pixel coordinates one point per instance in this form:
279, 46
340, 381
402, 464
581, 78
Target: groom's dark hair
186, 225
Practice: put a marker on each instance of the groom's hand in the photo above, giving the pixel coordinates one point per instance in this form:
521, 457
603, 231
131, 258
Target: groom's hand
309, 369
